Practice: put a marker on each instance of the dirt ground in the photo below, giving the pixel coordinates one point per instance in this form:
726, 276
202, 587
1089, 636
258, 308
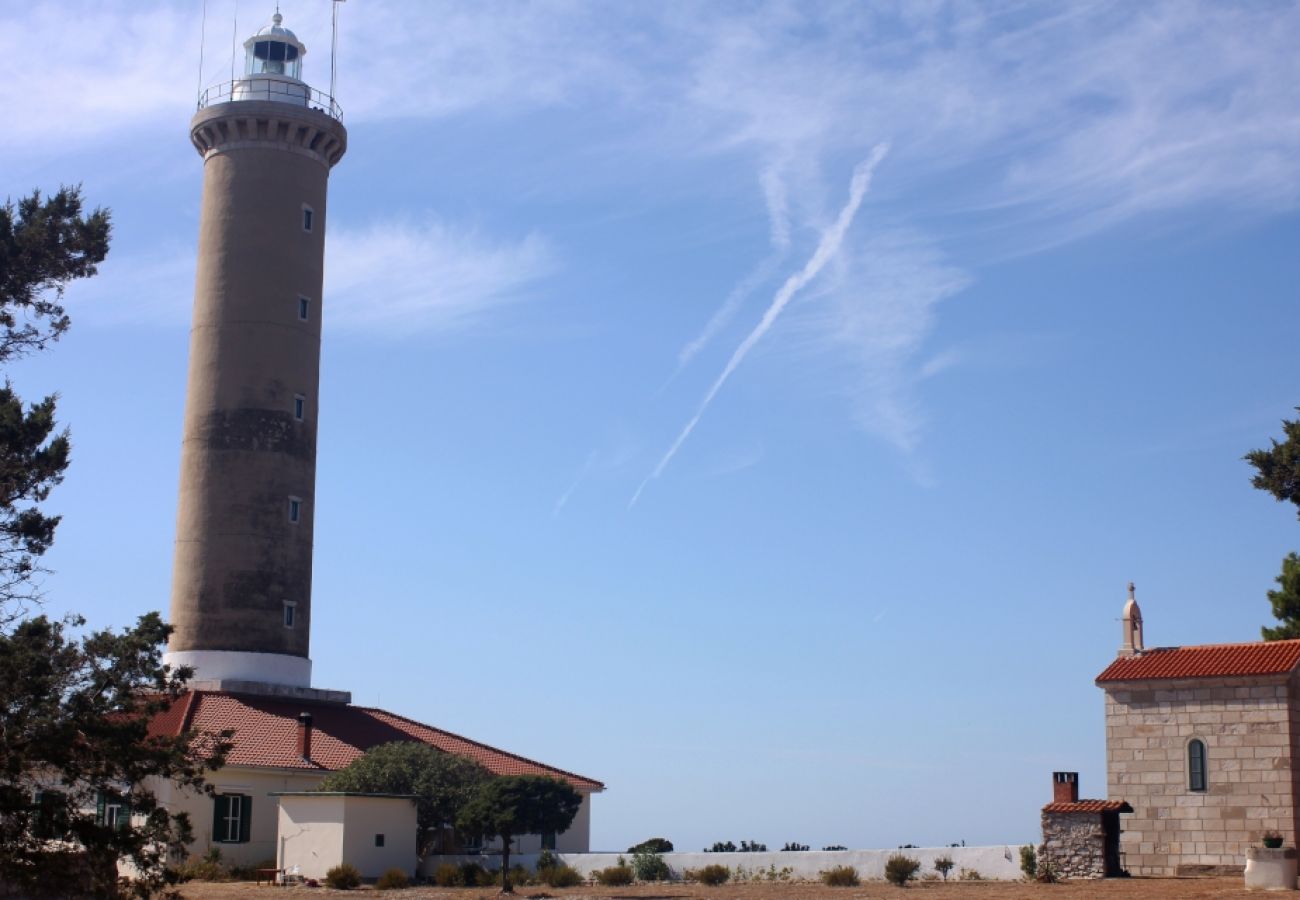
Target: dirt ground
1137, 888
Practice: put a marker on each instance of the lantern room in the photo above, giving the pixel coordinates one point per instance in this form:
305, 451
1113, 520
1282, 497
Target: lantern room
274, 50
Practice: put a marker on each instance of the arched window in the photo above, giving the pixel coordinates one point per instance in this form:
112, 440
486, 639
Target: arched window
1196, 765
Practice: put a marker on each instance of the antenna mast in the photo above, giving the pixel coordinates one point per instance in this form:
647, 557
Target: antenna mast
234, 42
203, 39
334, 50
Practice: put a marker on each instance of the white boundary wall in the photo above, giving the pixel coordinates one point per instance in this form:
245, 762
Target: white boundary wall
1000, 863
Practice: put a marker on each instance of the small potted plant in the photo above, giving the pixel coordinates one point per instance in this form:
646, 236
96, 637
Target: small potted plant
1272, 840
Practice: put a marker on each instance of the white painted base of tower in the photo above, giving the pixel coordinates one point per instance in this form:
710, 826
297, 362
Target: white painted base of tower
240, 665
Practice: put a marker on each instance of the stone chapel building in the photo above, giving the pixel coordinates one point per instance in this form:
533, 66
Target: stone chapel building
1202, 742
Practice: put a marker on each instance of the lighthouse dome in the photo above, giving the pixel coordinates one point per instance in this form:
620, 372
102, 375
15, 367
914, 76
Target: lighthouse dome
274, 50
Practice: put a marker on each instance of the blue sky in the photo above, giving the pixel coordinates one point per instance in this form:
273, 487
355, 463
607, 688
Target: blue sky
760, 407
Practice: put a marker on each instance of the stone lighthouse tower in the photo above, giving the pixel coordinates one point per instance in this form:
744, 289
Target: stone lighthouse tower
241, 583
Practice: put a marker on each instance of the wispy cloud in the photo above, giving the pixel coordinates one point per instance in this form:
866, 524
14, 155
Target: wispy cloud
400, 278
827, 247
563, 500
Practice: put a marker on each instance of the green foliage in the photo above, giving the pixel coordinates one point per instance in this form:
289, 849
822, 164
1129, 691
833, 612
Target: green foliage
393, 880
943, 865
652, 845
720, 847
1285, 602
559, 876
512, 805
443, 782
343, 877
1029, 861
1272, 839
900, 869
712, 875
842, 876
44, 245
795, 846
518, 875
472, 874
74, 715
203, 868
970, 875
615, 876
1277, 469
835, 847
650, 866
547, 859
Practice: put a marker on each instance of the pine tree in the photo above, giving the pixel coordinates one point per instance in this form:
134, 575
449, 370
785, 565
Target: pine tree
1277, 470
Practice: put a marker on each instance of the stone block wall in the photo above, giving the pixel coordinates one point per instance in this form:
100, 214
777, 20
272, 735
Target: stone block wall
1074, 845
1250, 727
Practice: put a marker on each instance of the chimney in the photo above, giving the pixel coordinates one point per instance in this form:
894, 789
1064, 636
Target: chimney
1065, 787
304, 736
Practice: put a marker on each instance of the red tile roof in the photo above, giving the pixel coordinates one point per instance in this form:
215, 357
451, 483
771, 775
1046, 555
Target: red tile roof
266, 734
1088, 806
1206, 661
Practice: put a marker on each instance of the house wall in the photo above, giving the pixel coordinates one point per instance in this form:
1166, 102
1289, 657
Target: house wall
262, 845
256, 783
394, 818
1250, 730
312, 832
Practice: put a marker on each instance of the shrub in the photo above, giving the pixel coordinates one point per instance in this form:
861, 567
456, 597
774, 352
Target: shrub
900, 869
835, 847
971, 875
720, 847
547, 860
752, 847
474, 875
794, 845
712, 875
204, 868
652, 845
943, 865
518, 875
841, 876
1272, 839
650, 866
1029, 861
343, 877
1046, 874
392, 880
559, 876
448, 875
615, 876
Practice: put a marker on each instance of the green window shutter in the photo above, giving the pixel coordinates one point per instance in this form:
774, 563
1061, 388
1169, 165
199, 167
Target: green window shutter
99, 807
219, 803
245, 819
123, 814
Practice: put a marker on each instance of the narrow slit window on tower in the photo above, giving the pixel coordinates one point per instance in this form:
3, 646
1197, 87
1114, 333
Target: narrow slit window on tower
1196, 780
290, 613
299, 406
295, 510
304, 307
308, 214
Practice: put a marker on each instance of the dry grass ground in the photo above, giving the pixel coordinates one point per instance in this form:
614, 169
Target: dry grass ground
1136, 888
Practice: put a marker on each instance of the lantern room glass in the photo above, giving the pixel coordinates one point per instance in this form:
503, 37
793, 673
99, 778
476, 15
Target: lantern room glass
267, 56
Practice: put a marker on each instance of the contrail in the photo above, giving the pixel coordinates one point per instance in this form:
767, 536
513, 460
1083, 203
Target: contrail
778, 217
564, 498
829, 245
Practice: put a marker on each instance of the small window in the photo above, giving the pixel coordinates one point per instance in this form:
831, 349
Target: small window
295, 510
308, 214
379, 840
304, 307
1196, 780
232, 818
111, 810
299, 406
290, 613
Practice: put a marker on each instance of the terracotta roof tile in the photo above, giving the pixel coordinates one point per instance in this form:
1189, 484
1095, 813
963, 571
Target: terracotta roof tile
266, 734
1088, 806
1206, 661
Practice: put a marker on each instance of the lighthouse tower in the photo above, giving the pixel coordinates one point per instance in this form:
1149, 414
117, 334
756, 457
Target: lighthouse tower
241, 583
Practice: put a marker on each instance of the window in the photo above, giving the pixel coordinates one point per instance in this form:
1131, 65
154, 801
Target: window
111, 810
548, 840
290, 613
1196, 765
51, 819
231, 818
299, 405
307, 215
379, 840
304, 306
295, 510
